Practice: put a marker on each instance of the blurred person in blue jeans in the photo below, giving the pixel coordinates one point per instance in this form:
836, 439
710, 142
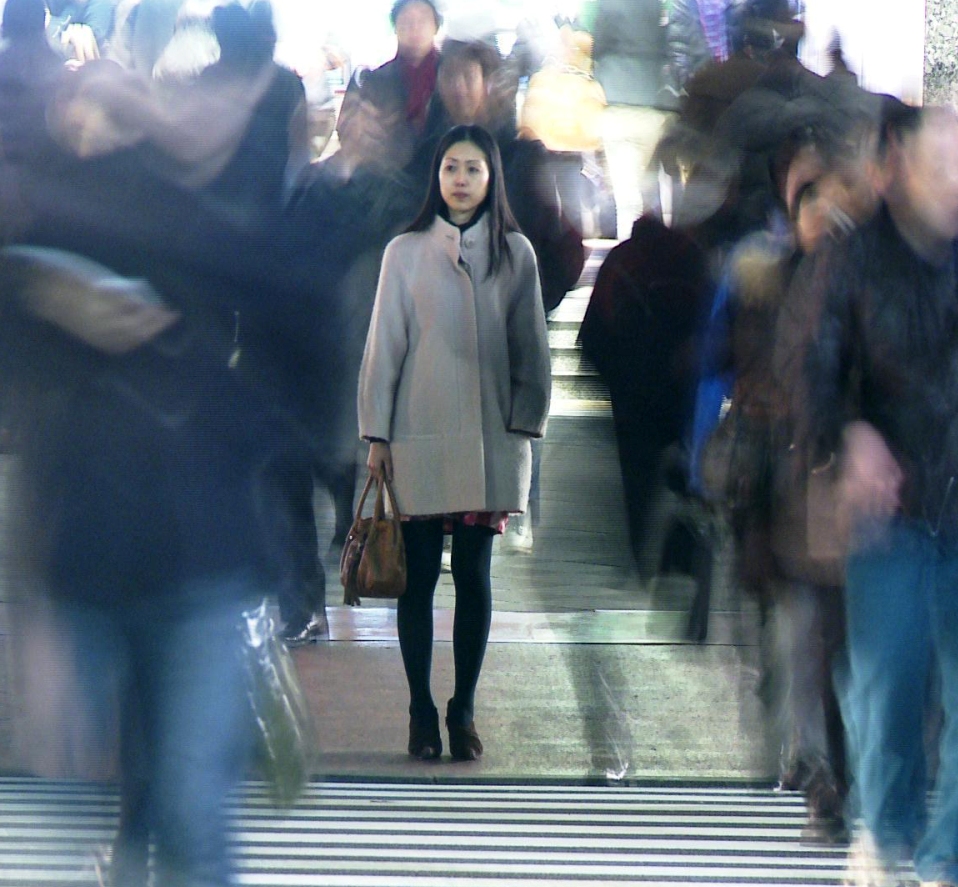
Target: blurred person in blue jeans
882, 376
147, 508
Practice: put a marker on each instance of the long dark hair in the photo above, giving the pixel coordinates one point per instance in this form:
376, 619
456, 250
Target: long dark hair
496, 205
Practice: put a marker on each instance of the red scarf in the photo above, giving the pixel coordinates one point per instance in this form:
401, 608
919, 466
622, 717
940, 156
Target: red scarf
420, 83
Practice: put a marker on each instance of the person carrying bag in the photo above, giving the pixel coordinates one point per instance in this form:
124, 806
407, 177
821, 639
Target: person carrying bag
454, 383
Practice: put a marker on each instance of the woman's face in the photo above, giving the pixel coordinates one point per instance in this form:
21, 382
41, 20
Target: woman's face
462, 88
463, 180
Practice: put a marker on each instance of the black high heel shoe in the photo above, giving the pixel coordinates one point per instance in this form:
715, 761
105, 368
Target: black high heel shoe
464, 741
425, 741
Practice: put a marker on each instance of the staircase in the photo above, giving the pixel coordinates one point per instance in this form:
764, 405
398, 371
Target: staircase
576, 387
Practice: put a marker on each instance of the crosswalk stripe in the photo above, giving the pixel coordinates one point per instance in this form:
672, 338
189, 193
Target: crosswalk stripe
434, 834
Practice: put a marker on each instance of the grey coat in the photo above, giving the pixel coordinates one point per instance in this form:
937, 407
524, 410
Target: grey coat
455, 373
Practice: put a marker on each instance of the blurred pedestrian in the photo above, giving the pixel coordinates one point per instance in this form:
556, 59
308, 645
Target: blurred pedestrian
251, 192
883, 389
145, 454
640, 331
340, 218
455, 382
819, 175
631, 61
254, 184
29, 70
402, 87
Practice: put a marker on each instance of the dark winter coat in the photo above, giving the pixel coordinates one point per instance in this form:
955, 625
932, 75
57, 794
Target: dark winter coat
385, 88
148, 466
640, 327
886, 352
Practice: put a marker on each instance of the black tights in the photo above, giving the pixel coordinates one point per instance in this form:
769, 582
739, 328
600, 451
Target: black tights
471, 565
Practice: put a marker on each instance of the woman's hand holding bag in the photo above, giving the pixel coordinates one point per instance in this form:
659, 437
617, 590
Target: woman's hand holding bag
373, 563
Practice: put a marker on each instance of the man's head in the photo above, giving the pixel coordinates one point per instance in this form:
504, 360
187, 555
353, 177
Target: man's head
918, 159
466, 72
416, 23
246, 36
826, 184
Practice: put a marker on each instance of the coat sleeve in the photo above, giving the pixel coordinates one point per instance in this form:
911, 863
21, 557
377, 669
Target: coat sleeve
387, 342
827, 388
529, 366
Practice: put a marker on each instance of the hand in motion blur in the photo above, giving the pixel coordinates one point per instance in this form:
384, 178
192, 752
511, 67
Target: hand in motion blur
80, 44
869, 489
114, 315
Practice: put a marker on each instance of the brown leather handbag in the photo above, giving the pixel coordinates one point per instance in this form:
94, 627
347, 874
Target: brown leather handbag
373, 562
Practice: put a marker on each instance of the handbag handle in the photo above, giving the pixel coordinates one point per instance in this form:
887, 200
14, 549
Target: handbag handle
363, 495
379, 508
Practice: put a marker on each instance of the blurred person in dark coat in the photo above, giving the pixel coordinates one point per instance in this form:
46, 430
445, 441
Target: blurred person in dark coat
881, 379
256, 181
404, 85
640, 331
823, 182
341, 215
29, 70
150, 516
251, 191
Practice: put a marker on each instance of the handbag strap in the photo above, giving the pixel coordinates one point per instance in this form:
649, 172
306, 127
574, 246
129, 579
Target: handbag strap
393, 505
363, 495
379, 508
379, 511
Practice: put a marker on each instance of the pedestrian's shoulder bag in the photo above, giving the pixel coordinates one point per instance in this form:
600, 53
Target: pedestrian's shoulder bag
373, 563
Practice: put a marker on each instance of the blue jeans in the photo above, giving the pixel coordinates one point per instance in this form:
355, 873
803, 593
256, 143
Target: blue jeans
185, 724
902, 618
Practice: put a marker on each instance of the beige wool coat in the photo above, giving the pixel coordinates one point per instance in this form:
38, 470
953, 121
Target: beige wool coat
455, 373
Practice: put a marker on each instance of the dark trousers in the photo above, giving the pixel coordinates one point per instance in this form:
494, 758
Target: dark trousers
471, 565
340, 483
302, 583
640, 459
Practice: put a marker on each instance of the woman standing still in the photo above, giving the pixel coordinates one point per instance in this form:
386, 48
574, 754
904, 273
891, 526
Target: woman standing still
455, 382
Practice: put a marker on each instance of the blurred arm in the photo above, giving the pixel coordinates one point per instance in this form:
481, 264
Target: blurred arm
84, 300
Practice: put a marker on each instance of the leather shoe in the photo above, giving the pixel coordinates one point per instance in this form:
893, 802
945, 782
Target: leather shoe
464, 741
307, 631
425, 743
